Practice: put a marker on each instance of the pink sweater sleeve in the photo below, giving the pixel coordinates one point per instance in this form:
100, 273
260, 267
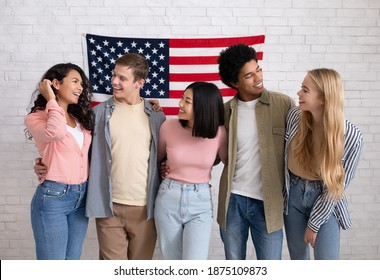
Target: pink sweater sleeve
48, 125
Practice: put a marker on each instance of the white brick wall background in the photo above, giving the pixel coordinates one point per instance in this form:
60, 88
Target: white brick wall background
300, 35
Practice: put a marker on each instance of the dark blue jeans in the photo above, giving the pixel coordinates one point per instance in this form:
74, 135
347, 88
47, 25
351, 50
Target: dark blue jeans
247, 214
58, 220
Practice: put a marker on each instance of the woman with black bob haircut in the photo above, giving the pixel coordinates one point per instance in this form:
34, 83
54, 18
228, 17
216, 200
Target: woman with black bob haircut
61, 123
208, 110
184, 211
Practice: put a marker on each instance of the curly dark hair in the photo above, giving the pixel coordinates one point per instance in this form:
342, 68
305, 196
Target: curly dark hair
82, 111
232, 59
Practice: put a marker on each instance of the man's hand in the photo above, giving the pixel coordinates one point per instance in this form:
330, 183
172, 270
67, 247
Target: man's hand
164, 169
40, 169
155, 105
310, 236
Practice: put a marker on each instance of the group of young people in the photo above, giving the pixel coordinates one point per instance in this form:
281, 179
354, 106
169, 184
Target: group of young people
146, 178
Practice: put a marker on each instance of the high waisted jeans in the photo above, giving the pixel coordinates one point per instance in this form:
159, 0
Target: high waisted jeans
184, 217
58, 220
302, 196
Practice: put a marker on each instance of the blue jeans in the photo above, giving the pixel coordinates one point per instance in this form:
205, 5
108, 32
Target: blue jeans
58, 220
184, 217
302, 195
246, 214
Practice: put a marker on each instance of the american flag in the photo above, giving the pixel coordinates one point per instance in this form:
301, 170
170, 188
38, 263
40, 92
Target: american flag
174, 64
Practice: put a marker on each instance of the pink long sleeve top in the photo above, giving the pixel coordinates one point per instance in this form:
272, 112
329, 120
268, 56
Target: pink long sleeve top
190, 158
66, 162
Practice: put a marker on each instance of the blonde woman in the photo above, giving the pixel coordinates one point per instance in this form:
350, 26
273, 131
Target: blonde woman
321, 154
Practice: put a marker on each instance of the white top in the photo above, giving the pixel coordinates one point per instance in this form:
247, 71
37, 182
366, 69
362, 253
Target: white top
77, 133
247, 179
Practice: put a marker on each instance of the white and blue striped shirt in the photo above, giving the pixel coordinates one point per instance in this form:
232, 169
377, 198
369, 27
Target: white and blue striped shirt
325, 205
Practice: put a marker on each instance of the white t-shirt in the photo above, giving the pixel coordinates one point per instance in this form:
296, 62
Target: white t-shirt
77, 133
247, 180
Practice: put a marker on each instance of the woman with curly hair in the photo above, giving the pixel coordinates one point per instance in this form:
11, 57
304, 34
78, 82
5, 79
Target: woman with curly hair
321, 155
61, 123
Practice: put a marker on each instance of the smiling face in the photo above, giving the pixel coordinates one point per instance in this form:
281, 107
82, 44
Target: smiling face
125, 88
310, 99
186, 109
250, 81
69, 90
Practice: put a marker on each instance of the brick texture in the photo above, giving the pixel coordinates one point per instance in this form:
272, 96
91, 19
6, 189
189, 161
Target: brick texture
300, 35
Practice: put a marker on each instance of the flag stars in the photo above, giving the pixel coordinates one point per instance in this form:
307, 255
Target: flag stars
105, 51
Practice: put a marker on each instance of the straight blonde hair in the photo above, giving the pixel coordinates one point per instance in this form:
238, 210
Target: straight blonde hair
330, 86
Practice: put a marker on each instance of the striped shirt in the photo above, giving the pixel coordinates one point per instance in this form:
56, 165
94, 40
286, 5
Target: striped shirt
324, 206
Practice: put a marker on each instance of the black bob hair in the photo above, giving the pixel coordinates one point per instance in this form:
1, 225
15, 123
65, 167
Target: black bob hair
208, 109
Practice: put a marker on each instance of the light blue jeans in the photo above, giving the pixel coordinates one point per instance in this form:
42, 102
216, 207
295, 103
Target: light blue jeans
302, 195
58, 220
246, 214
184, 216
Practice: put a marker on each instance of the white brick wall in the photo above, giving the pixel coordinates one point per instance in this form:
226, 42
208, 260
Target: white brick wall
300, 35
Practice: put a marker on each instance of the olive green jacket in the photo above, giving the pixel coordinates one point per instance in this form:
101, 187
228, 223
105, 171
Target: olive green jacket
271, 111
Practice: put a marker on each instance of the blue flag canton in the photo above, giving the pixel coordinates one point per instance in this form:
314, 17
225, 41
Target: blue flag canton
103, 52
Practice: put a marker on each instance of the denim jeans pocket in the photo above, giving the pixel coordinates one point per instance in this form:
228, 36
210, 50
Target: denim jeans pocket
52, 189
163, 188
204, 194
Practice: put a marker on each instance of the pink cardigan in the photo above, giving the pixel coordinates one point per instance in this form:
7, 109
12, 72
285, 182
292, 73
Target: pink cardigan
66, 162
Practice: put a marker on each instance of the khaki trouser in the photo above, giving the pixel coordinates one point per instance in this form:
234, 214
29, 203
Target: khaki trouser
128, 235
